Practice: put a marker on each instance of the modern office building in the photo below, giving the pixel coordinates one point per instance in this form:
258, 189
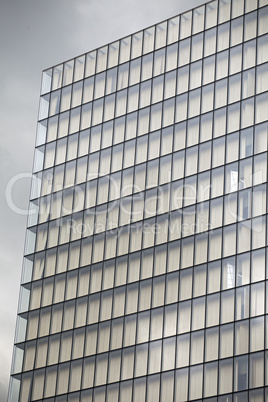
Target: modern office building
144, 277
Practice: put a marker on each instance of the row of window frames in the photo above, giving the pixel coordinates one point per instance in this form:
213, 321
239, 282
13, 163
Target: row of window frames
132, 72
79, 196
123, 91
100, 83
211, 153
61, 253
143, 121
154, 348
177, 105
187, 285
84, 273
107, 126
158, 298
173, 228
240, 311
154, 388
258, 225
194, 348
102, 54
113, 55
121, 184
178, 194
107, 156
132, 95
169, 345
168, 116
128, 302
41, 266
181, 114
195, 314
47, 236
222, 70
51, 124
250, 24
180, 285
222, 210
47, 266
187, 250
113, 391
172, 138
257, 273
181, 106
152, 345
76, 199
146, 389
188, 227
90, 67
148, 146
215, 238
154, 117
140, 267
211, 310
160, 266
194, 71
193, 219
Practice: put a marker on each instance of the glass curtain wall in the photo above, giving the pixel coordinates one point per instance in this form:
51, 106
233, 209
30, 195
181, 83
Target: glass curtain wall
145, 268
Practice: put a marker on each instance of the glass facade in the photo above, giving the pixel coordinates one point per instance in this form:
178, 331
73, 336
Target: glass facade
146, 262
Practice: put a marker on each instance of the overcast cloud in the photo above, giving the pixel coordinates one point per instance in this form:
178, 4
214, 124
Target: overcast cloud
35, 35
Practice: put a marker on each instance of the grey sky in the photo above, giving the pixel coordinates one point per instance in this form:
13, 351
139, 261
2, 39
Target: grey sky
35, 35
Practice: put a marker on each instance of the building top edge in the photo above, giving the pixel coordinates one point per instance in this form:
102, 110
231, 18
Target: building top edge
205, 3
